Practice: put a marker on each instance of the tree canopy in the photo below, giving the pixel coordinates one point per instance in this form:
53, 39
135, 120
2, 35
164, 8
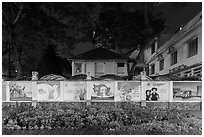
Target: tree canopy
28, 29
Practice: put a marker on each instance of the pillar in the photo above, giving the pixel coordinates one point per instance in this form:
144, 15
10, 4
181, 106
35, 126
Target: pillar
83, 68
72, 68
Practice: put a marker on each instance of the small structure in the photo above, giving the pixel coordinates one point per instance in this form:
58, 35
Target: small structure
98, 62
34, 75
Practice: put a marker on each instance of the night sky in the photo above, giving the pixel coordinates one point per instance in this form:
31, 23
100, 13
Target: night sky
181, 15
174, 14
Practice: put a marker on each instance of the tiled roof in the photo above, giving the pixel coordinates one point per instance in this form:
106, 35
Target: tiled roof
98, 54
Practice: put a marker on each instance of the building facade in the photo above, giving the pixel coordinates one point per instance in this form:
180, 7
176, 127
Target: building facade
98, 62
181, 55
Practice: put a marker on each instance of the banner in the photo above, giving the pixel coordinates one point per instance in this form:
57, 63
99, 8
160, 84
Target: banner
128, 91
101, 90
74, 91
156, 91
187, 91
48, 91
3, 91
20, 91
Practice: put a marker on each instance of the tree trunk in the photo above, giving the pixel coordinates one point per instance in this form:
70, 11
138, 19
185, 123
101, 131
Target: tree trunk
132, 70
17, 49
18, 62
9, 60
128, 67
150, 30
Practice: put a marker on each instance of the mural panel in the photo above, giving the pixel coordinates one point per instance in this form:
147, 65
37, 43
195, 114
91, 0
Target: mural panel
20, 91
48, 91
102, 90
187, 91
156, 91
74, 91
128, 91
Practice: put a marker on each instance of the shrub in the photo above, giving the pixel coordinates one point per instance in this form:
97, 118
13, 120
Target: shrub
128, 119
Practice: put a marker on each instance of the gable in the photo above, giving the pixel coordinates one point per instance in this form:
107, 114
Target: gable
98, 54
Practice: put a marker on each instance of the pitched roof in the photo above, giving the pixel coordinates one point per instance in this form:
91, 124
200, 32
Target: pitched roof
98, 54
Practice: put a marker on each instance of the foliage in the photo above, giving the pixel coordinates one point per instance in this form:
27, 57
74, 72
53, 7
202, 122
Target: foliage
127, 119
28, 28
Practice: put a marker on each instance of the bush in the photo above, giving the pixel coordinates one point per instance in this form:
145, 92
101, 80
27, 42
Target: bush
127, 119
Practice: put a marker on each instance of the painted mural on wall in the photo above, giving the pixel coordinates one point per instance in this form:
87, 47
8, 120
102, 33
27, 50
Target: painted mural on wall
3, 91
20, 91
103, 90
48, 91
128, 91
74, 91
156, 91
187, 91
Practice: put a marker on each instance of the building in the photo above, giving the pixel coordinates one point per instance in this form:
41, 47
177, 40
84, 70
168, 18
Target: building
98, 62
181, 55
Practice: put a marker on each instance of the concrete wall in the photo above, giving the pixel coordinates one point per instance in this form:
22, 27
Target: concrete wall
68, 89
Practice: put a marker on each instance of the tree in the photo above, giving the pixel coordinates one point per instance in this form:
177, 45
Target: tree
50, 63
28, 28
12, 13
120, 28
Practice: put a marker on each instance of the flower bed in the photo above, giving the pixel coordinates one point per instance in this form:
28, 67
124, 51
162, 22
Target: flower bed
126, 119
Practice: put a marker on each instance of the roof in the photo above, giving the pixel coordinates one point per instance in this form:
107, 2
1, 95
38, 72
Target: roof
166, 77
98, 54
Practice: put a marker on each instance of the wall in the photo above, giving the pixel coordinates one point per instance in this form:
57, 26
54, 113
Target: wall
110, 67
168, 91
106, 92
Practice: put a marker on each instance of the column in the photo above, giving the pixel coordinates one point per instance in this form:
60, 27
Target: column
72, 68
83, 68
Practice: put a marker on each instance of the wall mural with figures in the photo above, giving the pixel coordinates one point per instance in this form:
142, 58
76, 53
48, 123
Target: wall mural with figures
101, 90
128, 91
74, 91
110, 91
187, 91
156, 91
20, 91
48, 91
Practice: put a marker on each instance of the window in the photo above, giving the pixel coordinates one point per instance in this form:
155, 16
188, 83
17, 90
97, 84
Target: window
174, 58
153, 48
100, 68
152, 66
193, 47
120, 67
161, 64
78, 67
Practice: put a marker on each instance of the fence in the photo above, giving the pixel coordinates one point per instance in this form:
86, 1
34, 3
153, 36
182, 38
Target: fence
102, 91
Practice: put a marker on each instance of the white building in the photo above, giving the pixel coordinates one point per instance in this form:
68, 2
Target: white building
98, 62
181, 55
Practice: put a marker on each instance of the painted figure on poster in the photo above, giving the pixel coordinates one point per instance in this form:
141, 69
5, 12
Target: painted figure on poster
17, 91
80, 94
148, 95
125, 92
48, 92
154, 95
102, 90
